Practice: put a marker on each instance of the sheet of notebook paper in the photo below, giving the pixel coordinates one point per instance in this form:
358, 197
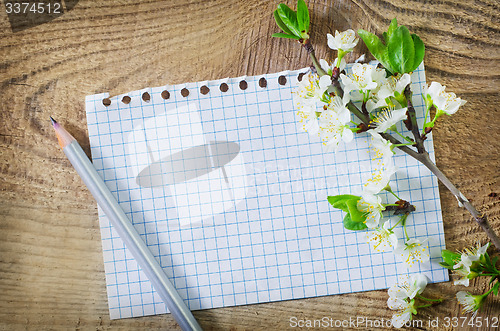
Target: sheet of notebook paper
230, 196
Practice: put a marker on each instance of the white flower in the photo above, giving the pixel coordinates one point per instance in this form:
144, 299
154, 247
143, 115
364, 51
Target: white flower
393, 87
363, 79
387, 118
308, 119
379, 181
310, 90
471, 303
470, 255
333, 127
332, 130
381, 238
383, 148
432, 93
447, 103
344, 41
408, 286
404, 312
371, 206
467, 259
413, 250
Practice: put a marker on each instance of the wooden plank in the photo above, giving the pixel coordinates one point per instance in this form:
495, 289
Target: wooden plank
51, 270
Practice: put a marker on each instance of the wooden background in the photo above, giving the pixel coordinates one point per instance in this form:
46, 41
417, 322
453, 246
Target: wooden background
51, 268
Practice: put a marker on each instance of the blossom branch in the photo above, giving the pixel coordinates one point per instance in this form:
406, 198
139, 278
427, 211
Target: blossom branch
310, 50
412, 120
420, 154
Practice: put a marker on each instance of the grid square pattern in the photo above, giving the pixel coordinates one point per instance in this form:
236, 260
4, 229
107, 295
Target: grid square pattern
230, 196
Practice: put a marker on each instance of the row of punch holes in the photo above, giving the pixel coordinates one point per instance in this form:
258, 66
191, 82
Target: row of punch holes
146, 97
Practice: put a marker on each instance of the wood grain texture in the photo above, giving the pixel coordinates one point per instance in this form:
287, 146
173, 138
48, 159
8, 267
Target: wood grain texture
51, 269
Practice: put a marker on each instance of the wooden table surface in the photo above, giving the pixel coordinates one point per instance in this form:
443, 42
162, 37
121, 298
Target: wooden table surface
51, 266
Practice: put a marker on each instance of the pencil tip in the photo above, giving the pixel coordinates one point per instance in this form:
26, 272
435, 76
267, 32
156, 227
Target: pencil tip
53, 120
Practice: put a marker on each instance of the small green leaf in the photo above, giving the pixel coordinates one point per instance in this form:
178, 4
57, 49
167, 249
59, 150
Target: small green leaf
400, 50
496, 287
419, 46
487, 259
289, 18
339, 201
494, 261
376, 47
303, 16
284, 35
354, 226
390, 30
356, 215
445, 265
280, 23
450, 257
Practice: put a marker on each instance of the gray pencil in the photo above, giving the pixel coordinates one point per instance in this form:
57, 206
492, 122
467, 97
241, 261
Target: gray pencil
125, 229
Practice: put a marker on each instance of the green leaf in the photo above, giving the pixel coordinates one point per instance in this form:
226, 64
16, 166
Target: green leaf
280, 23
376, 47
289, 18
303, 16
284, 35
390, 30
450, 257
400, 50
496, 287
339, 201
349, 224
419, 46
445, 265
494, 261
356, 215
487, 259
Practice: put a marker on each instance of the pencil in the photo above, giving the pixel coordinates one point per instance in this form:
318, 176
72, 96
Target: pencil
125, 229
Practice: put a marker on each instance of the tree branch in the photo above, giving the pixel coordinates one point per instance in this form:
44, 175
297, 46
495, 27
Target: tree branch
481, 219
412, 117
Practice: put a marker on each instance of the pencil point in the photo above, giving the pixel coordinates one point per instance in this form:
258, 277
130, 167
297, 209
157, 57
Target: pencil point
53, 120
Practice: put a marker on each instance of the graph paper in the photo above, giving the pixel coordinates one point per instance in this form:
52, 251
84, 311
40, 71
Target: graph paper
230, 196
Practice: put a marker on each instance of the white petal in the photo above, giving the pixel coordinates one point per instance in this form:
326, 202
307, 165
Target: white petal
331, 41
324, 65
396, 304
418, 283
400, 319
347, 135
403, 82
462, 281
435, 89
396, 292
342, 65
482, 250
324, 82
360, 59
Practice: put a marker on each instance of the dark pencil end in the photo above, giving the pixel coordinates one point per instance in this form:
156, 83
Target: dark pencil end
53, 120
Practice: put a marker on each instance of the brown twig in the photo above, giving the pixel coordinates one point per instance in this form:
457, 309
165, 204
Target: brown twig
412, 117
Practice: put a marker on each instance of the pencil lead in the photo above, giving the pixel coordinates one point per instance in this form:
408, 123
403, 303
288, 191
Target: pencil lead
53, 120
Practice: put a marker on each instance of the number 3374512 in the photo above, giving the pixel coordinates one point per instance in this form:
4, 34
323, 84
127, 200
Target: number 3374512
32, 8
474, 322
